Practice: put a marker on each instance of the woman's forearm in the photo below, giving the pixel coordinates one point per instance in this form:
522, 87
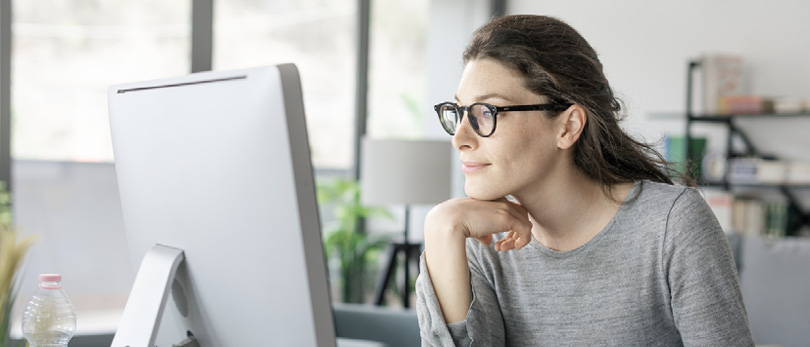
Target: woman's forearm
446, 260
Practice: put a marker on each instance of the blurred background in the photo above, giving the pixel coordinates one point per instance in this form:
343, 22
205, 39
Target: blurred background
369, 69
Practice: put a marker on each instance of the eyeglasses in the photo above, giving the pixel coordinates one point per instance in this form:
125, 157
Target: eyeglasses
484, 116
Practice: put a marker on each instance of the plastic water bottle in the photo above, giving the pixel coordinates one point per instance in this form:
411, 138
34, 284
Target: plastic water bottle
49, 319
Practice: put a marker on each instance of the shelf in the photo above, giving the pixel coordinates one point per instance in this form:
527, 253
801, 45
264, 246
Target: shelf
727, 117
723, 185
801, 216
722, 118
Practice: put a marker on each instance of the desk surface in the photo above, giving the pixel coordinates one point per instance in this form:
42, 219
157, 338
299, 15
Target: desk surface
100, 320
344, 342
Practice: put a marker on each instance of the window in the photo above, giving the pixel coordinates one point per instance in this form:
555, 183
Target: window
67, 52
319, 36
398, 69
65, 55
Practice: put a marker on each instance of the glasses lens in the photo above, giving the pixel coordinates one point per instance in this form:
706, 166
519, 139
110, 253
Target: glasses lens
483, 119
448, 115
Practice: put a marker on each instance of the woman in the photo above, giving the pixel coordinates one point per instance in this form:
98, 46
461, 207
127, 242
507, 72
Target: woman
572, 232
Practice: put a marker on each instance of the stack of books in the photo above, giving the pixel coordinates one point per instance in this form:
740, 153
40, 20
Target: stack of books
723, 90
762, 171
749, 215
722, 77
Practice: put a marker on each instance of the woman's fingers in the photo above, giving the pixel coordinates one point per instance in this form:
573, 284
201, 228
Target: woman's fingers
503, 244
506, 243
523, 240
513, 240
509, 242
521, 233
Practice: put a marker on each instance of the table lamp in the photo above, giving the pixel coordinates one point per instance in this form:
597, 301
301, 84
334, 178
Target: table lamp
407, 172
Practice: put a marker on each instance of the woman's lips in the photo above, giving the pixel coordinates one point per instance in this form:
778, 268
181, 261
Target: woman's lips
470, 167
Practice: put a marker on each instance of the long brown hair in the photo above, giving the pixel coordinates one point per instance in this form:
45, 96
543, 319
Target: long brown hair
556, 61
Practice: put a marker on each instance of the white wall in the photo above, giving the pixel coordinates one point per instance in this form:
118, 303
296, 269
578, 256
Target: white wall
645, 47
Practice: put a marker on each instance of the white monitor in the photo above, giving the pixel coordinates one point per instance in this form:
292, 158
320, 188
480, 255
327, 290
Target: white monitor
216, 167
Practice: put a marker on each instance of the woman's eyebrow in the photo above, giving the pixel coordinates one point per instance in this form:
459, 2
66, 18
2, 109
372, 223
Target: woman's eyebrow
491, 96
486, 96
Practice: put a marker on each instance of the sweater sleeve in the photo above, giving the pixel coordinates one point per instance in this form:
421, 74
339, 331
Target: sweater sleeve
483, 325
705, 294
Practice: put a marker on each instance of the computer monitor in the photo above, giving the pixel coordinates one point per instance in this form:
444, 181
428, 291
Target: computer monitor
219, 206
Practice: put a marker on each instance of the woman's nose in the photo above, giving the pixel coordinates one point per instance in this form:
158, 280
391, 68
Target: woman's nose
465, 135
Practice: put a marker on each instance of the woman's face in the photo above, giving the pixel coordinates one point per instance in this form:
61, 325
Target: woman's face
517, 158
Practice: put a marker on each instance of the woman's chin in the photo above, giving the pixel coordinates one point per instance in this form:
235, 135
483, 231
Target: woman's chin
483, 194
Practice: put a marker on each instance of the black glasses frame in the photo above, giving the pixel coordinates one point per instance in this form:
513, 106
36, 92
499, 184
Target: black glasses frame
460, 110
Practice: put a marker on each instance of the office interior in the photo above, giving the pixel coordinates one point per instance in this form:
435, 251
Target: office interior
369, 69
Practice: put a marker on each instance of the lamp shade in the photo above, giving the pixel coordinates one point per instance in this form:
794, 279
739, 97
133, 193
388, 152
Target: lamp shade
405, 171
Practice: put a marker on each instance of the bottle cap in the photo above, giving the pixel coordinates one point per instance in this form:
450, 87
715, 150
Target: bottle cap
50, 278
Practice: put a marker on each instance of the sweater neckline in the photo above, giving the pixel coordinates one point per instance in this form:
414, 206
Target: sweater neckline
631, 196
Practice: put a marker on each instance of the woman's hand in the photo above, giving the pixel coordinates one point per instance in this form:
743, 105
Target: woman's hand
481, 219
447, 227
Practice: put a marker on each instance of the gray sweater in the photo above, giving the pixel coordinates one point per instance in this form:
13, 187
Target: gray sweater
659, 274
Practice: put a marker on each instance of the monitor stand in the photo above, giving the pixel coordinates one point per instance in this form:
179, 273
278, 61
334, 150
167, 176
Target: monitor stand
147, 300
144, 310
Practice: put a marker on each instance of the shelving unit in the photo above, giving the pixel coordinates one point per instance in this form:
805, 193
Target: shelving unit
800, 216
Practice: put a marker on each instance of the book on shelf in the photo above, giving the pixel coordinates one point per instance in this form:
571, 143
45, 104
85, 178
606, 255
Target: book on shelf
787, 104
798, 172
764, 171
722, 77
754, 216
749, 215
675, 154
744, 104
761, 105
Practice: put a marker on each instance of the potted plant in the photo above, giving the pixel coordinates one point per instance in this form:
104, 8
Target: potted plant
12, 252
356, 251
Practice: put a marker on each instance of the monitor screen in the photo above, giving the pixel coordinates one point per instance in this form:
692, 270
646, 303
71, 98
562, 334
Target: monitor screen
217, 164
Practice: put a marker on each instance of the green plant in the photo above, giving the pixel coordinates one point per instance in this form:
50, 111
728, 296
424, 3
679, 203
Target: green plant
12, 253
356, 251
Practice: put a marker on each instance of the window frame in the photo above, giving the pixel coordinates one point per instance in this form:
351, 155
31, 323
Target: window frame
5, 92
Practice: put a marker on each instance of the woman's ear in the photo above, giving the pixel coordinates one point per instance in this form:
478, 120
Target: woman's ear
574, 119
